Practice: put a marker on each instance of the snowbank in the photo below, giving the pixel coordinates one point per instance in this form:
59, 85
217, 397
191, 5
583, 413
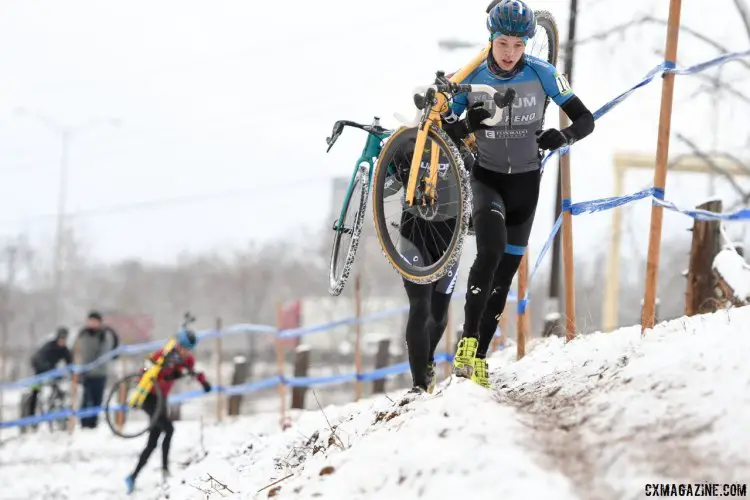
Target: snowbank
598, 417
735, 271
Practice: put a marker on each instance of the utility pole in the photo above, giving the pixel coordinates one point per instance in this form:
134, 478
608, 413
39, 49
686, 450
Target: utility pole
554, 306
66, 135
62, 199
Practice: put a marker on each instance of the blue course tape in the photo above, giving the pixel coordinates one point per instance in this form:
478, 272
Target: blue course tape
235, 390
128, 350
665, 67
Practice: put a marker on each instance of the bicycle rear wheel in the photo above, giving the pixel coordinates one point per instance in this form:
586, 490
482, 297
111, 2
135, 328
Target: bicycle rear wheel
126, 421
347, 229
422, 242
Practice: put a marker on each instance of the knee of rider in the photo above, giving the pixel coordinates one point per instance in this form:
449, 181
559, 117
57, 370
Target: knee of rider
491, 235
419, 308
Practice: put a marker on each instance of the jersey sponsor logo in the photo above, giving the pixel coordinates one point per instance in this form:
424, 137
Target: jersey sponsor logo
526, 101
562, 84
526, 118
506, 134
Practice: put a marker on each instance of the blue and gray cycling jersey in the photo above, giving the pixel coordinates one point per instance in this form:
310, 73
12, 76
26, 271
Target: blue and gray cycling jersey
512, 147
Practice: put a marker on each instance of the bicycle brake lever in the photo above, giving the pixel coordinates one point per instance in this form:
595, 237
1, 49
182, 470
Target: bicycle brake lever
506, 99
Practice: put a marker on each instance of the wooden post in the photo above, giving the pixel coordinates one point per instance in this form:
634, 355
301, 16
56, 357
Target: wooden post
381, 361
502, 324
567, 230
74, 386
280, 364
219, 360
656, 309
612, 289
706, 245
660, 172
521, 328
449, 340
122, 396
358, 336
301, 365
3, 370
239, 376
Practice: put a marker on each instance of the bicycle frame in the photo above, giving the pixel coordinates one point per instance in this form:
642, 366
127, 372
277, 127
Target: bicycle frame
432, 116
370, 152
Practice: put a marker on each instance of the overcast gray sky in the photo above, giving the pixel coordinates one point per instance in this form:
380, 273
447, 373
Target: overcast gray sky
225, 105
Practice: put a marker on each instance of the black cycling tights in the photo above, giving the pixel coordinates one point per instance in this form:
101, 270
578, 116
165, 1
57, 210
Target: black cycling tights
428, 317
504, 207
163, 424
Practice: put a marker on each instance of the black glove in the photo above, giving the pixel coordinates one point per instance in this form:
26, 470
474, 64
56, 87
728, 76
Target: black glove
206, 386
475, 115
551, 139
473, 121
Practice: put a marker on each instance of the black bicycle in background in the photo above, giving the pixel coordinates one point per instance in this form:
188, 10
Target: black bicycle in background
51, 398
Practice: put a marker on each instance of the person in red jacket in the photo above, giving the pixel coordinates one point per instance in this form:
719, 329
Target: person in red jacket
177, 364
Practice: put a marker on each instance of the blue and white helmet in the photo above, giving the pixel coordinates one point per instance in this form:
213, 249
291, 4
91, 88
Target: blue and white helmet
187, 339
511, 18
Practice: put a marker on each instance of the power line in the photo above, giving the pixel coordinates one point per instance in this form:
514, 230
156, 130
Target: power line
176, 200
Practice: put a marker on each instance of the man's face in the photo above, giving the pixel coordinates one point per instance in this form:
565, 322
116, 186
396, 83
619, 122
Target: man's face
62, 341
507, 51
93, 323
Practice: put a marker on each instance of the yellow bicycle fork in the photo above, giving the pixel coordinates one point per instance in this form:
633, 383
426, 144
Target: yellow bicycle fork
440, 106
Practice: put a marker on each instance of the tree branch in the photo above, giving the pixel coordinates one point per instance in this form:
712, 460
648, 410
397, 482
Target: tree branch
647, 19
712, 165
744, 14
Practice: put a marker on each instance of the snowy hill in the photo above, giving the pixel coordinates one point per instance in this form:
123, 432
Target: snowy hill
599, 417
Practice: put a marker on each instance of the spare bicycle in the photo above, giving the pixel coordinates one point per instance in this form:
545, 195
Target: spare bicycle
348, 226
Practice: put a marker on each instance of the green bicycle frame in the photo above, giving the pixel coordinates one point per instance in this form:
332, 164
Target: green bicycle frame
370, 154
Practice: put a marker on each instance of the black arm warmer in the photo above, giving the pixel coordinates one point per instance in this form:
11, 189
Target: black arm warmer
581, 118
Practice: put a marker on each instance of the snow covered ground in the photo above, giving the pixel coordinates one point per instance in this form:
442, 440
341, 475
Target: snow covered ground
597, 418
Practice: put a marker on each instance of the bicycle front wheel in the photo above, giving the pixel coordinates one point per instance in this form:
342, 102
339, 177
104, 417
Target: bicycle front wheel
124, 420
347, 229
422, 242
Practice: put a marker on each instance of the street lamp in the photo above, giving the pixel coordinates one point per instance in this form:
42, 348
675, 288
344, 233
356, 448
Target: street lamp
66, 132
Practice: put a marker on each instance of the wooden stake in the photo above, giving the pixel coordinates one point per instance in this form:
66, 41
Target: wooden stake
358, 336
521, 323
280, 363
567, 230
219, 359
449, 339
660, 172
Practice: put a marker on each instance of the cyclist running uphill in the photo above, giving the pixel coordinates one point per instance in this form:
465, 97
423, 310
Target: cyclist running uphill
506, 175
177, 364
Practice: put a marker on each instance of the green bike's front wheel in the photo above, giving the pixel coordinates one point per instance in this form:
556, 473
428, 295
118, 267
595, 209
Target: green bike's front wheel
347, 230
421, 242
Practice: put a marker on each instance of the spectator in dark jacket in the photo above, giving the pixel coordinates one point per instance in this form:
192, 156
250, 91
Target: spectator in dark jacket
94, 341
46, 359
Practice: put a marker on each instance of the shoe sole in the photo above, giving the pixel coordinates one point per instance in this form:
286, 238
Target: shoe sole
465, 371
